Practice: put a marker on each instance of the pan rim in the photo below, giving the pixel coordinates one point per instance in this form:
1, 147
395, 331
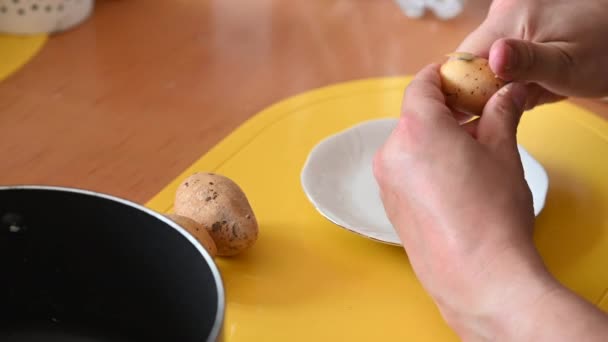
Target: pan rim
216, 329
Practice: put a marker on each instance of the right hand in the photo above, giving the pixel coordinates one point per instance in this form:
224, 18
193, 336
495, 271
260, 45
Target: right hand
557, 46
469, 238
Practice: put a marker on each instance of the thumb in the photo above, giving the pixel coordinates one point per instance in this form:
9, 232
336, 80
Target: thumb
497, 126
543, 63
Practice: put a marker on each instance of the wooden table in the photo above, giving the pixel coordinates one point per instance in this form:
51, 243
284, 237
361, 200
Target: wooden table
129, 99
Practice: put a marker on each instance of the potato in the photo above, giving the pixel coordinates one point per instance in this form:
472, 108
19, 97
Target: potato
197, 230
219, 204
468, 82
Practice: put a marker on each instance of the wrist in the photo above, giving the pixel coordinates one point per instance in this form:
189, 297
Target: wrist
506, 302
518, 319
545, 321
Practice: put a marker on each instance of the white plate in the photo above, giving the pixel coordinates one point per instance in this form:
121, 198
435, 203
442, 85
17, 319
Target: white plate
337, 178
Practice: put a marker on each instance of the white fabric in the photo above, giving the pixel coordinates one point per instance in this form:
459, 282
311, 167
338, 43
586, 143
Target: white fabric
444, 9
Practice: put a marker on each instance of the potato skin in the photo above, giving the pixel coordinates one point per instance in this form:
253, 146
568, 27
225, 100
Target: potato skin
197, 230
468, 83
219, 204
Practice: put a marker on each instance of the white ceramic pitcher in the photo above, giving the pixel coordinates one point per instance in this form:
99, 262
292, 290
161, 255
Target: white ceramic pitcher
42, 16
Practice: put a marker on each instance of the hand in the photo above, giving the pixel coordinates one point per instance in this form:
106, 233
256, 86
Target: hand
457, 197
555, 45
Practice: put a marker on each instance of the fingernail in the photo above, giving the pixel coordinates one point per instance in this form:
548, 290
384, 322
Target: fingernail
519, 95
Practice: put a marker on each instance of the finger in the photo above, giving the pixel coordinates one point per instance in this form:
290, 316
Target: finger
548, 97
538, 95
461, 117
480, 41
497, 126
425, 86
423, 95
519, 60
471, 127
426, 119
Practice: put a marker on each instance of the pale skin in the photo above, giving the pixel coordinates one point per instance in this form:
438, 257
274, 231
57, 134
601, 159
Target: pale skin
456, 194
555, 46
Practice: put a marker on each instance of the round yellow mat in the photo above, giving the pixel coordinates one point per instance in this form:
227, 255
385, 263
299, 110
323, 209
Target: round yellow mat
15, 51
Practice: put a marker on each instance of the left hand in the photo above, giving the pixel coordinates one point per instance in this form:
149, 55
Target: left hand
556, 58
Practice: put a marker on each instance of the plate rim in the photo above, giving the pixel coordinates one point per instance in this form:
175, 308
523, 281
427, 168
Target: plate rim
306, 187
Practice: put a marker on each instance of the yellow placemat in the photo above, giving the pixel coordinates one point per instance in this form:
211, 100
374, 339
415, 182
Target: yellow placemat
308, 280
15, 51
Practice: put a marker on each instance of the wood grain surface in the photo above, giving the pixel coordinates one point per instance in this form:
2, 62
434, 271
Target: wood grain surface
126, 101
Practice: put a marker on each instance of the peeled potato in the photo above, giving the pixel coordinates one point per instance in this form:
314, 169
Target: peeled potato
468, 83
197, 230
219, 204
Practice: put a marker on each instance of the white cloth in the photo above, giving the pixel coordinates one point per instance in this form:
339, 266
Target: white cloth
443, 9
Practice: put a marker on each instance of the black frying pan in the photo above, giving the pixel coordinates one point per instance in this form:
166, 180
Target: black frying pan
82, 266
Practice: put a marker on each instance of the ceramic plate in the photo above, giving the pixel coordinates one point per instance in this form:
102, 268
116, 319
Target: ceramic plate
337, 178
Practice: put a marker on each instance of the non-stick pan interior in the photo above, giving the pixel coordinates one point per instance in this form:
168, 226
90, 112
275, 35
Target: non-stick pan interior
78, 267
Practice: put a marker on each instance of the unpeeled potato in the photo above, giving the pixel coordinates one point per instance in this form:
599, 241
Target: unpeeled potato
197, 230
467, 81
218, 203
